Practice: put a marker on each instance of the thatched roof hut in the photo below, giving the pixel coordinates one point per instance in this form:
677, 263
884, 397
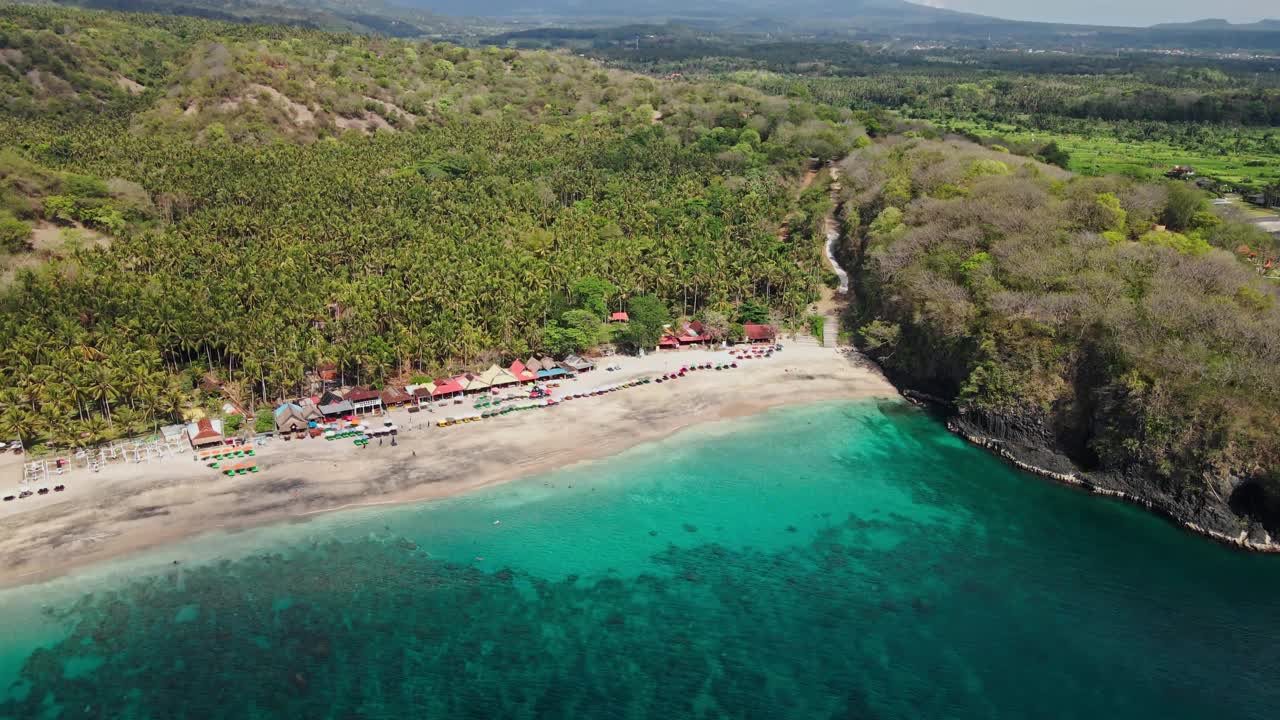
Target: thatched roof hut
290, 417
497, 377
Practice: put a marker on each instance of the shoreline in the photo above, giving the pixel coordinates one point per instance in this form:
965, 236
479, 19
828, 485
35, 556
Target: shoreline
1241, 543
127, 509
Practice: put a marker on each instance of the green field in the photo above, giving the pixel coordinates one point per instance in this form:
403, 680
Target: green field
1103, 154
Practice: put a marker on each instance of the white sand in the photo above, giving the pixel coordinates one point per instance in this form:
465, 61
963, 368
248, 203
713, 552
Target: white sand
129, 507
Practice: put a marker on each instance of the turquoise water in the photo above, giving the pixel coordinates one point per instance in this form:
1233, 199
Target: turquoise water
835, 561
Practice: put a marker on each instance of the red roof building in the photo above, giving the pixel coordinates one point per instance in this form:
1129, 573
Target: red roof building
205, 432
668, 341
759, 333
364, 400
522, 373
447, 388
619, 317
691, 333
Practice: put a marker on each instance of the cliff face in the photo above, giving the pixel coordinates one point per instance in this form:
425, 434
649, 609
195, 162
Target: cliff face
1057, 443
1237, 513
1101, 357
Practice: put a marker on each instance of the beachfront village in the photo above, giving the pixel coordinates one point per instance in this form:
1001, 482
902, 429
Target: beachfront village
365, 417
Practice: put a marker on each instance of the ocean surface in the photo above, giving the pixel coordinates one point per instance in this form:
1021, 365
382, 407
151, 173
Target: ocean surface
847, 560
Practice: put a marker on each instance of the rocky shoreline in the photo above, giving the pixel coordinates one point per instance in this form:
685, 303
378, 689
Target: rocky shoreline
1032, 452
1081, 480
1023, 443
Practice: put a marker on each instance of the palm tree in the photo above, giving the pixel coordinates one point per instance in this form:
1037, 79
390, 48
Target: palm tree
102, 383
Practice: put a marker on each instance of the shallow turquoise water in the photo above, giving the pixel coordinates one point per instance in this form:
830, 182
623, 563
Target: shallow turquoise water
833, 561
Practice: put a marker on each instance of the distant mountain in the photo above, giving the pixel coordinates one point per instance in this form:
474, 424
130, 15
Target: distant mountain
372, 17
868, 10
1220, 24
893, 22
889, 18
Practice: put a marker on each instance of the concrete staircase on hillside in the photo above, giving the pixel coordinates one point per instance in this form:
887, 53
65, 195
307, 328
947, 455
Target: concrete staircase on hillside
830, 328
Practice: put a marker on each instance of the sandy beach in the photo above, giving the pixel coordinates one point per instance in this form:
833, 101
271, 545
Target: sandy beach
130, 507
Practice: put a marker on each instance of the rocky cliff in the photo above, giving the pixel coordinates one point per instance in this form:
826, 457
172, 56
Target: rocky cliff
1026, 440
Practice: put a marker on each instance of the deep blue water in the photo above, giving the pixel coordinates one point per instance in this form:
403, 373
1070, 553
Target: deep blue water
846, 560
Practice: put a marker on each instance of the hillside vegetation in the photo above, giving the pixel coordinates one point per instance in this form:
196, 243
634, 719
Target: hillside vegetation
277, 199
1137, 123
1123, 318
197, 79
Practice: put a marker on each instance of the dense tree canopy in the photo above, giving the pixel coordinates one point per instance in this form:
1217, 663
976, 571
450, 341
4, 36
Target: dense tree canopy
247, 233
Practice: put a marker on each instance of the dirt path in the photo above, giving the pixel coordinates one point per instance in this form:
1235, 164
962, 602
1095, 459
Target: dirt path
833, 301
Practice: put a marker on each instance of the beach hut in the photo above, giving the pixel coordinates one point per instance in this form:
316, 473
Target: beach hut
205, 432
422, 393
310, 410
172, 434
445, 389
619, 317
394, 397
668, 342
289, 418
578, 364
521, 372
759, 333
533, 365
496, 377
364, 400
334, 410
546, 369
693, 333
472, 384
330, 397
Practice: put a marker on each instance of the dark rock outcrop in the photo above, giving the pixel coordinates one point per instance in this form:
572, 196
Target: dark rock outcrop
1028, 441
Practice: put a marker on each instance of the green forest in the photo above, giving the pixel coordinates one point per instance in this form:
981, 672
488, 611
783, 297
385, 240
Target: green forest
1109, 125
1120, 112
186, 201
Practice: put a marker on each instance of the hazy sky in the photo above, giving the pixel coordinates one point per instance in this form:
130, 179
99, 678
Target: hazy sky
1116, 12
